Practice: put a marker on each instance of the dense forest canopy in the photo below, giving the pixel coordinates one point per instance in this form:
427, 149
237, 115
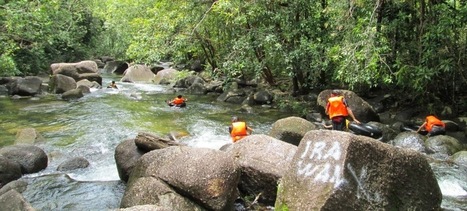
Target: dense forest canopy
415, 47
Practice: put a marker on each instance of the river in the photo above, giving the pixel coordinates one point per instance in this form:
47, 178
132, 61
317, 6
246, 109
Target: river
94, 125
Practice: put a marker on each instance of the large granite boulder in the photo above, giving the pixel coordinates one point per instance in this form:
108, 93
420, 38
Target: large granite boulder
197, 89
460, 158
17, 185
69, 71
73, 94
100, 63
410, 140
193, 84
138, 73
214, 86
291, 129
31, 158
87, 66
9, 170
90, 77
126, 155
360, 108
8, 80
66, 75
335, 170
263, 161
443, 145
263, 97
234, 96
73, 163
88, 83
28, 86
115, 67
204, 177
165, 76
61, 83
84, 89
152, 191
12, 200
189, 81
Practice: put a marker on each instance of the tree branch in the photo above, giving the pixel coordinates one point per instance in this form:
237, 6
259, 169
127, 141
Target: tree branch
204, 16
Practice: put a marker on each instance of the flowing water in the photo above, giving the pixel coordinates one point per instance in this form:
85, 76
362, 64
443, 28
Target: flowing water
94, 125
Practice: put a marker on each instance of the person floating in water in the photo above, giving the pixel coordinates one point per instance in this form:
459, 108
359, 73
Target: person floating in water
179, 101
239, 129
433, 126
112, 85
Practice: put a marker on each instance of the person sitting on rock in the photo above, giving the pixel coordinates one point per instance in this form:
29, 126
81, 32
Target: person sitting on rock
433, 126
238, 129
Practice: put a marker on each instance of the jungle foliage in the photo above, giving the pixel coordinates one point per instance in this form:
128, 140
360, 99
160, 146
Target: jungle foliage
35, 33
415, 47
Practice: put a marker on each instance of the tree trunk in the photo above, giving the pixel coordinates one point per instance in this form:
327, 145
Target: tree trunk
379, 13
208, 50
259, 53
147, 142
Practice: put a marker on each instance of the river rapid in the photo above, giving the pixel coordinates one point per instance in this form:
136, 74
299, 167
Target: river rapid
94, 125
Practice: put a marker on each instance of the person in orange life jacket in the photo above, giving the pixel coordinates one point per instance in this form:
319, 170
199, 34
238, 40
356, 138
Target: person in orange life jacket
239, 129
338, 111
433, 126
179, 101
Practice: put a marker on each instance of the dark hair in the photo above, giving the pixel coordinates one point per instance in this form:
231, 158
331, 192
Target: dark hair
113, 82
179, 96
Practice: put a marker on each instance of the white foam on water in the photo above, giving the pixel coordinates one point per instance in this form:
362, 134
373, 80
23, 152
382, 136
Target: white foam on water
93, 89
451, 188
148, 87
103, 173
209, 140
207, 134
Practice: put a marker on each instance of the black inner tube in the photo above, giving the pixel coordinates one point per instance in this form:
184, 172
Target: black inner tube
365, 129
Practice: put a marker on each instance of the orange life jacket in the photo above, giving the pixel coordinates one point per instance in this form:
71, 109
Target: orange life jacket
239, 131
337, 107
433, 121
178, 101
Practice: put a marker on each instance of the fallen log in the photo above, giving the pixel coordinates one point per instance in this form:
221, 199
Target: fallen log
148, 142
